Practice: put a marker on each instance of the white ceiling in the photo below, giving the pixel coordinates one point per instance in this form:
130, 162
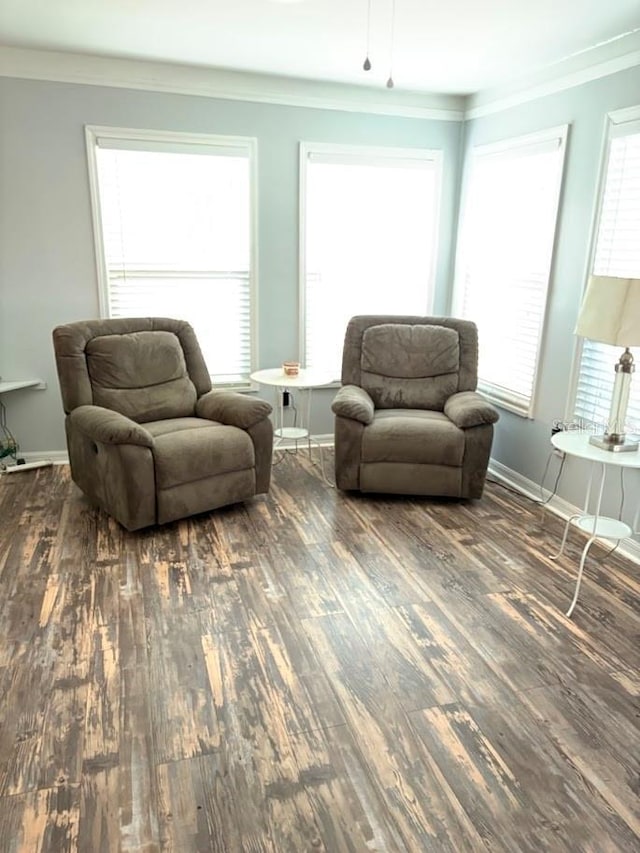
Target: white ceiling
448, 46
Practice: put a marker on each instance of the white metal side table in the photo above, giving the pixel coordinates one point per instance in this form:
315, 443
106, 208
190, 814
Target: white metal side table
305, 381
596, 525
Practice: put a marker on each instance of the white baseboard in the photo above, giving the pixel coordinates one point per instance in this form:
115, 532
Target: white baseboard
26, 466
629, 548
57, 457
61, 457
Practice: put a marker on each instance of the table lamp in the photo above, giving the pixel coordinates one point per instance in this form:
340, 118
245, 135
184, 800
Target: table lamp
610, 313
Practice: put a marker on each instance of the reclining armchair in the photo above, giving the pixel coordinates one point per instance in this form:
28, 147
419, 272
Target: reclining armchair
408, 420
148, 439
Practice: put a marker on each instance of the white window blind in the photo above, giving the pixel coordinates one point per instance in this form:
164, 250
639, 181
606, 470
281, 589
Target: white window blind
176, 240
504, 259
617, 253
369, 241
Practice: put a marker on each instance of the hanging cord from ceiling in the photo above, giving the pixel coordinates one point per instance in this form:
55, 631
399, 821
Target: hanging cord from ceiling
390, 83
366, 65
367, 62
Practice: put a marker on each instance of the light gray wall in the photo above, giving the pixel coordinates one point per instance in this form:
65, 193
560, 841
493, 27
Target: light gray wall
523, 445
47, 267
46, 242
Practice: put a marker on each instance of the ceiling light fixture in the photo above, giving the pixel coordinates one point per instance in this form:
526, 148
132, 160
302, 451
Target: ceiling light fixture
390, 83
367, 62
366, 65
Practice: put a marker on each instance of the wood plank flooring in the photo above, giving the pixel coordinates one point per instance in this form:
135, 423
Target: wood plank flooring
312, 671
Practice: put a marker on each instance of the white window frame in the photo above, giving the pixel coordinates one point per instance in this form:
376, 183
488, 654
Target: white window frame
93, 133
613, 120
362, 154
512, 401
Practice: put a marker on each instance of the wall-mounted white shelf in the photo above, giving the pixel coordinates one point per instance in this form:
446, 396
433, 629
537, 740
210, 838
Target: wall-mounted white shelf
17, 384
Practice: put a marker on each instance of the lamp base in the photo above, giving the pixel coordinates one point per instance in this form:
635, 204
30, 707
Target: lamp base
606, 442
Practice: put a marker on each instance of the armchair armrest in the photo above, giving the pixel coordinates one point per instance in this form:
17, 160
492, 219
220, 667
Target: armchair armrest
468, 409
232, 408
109, 427
353, 402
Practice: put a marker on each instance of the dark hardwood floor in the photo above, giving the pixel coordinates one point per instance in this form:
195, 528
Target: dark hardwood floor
312, 671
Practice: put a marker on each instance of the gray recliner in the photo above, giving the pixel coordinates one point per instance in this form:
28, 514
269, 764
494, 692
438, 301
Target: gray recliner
148, 439
408, 419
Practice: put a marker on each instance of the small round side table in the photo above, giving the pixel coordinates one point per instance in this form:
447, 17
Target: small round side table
305, 381
596, 525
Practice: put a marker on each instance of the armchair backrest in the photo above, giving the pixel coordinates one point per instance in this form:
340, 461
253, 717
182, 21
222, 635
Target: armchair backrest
145, 368
410, 362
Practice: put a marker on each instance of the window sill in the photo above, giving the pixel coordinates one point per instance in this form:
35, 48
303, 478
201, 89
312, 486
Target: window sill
242, 387
510, 402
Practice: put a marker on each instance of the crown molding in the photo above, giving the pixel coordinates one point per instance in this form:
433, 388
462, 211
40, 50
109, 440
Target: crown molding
600, 61
222, 84
62, 67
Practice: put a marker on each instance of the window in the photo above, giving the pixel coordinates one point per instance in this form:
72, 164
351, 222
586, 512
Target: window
368, 240
504, 259
617, 253
173, 217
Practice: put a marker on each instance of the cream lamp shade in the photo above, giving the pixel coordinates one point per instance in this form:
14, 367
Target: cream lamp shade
610, 311
610, 314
